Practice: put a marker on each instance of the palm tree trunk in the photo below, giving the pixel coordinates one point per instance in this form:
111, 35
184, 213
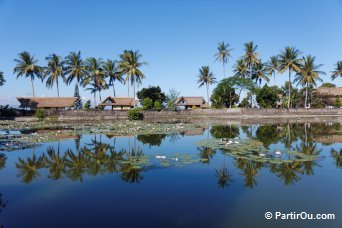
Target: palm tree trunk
306, 95
128, 88
289, 101
94, 99
134, 92
113, 90
224, 70
208, 95
100, 96
57, 88
32, 87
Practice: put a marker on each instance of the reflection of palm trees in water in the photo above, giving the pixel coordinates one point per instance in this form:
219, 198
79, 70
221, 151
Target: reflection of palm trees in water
206, 154
288, 172
250, 170
337, 156
3, 159
28, 169
55, 162
3, 204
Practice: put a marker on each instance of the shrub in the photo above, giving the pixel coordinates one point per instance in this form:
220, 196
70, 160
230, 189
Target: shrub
135, 114
87, 105
194, 107
147, 103
157, 106
40, 114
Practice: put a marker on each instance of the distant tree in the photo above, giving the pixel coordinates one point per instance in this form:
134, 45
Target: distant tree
152, 92
260, 73
78, 103
241, 83
130, 65
224, 95
75, 68
251, 57
157, 106
171, 99
95, 75
223, 54
267, 96
147, 103
272, 66
54, 70
27, 66
2, 79
112, 73
289, 61
338, 70
308, 75
328, 84
240, 69
245, 103
206, 77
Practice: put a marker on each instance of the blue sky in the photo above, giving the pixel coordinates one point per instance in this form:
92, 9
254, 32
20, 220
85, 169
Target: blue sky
175, 37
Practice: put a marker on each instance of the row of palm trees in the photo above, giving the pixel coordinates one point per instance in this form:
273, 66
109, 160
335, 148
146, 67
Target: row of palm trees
251, 66
91, 72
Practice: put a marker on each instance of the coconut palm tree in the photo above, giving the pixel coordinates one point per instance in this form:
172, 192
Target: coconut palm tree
251, 57
240, 68
272, 66
338, 70
95, 74
206, 77
2, 79
74, 67
112, 72
54, 70
223, 54
129, 65
27, 66
308, 74
260, 73
289, 61
93, 89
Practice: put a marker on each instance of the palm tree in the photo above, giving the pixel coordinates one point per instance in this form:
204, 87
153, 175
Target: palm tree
260, 73
289, 61
240, 68
2, 79
223, 55
129, 65
206, 77
93, 89
95, 74
74, 67
251, 57
27, 66
308, 74
272, 66
112, 72
54, 70
338, 70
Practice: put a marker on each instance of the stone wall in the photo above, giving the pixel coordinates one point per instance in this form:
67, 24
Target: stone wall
198, 113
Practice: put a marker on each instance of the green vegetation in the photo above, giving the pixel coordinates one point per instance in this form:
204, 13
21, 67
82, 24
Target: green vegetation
223, 54
224, 95
171, 99
40, 114
337, 71
87, 105
78, 103
267, 96
135, 114
54, 71
147, 103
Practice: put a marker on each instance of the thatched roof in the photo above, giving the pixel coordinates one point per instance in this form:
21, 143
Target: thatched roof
191, 101
119, 101
330, 91
46, 102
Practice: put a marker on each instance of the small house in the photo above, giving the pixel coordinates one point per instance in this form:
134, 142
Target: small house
191, 102
119, 103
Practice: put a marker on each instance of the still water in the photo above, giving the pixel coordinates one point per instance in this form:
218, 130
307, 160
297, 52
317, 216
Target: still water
170, 181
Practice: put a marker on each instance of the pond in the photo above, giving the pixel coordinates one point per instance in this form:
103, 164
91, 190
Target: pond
178, 179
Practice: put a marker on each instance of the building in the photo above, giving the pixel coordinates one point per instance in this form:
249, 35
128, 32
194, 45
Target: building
191, 102
119, 103
333, 92
56, 103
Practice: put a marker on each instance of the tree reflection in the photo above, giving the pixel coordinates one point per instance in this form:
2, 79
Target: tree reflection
151, 139
206, 154
230, 131
28, 169
76, 164
3, 159
337, 156
3, 203
55, 162
250, 170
